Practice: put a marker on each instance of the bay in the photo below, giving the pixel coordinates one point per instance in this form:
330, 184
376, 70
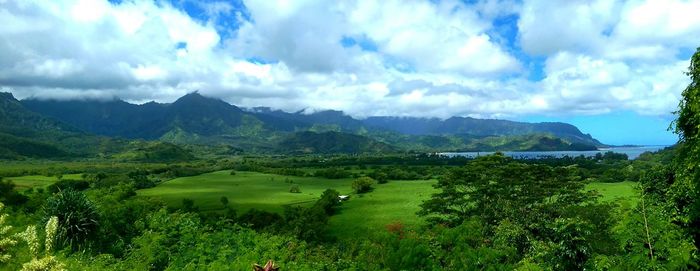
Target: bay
631, 152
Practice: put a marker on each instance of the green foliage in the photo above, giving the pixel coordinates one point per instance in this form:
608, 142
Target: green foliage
9, 195
496, 187
650, 241
331, 142
7, 240
155, 152
140, 179
329, 201
687, 126
76, 185
295, 189
42, 261
257, 219
307, 224
188, 206
12, 147
362, 185
332, 173
78, 219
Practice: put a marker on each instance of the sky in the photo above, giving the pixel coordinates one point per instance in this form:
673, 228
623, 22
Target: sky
613, 68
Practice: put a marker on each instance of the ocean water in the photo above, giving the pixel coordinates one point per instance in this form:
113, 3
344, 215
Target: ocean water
632, 152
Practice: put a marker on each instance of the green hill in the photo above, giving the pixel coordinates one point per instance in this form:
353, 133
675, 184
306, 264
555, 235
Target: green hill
12, 147
196, 119
331, 142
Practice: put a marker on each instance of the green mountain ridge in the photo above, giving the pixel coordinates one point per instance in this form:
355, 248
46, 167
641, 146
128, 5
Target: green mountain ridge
196, 119
27, 134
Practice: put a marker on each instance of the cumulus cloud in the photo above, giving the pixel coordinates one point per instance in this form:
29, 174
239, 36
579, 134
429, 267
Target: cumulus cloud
611, 55
405, 58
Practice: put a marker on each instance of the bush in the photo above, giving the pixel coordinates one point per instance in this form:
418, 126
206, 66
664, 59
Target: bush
76, 185
381, 178
9, 195
233, 172
188, 206
295, 189
332, 173
257, 219
362, 185
328, 201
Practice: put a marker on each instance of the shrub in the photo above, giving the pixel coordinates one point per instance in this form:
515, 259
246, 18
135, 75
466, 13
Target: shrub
224, 201
75, 185
295, 189
188, 205
332, 173
328, 201
257, 219
233, 172
381, 178
362, 185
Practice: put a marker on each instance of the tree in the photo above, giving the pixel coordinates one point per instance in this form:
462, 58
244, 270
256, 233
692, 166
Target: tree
9, 195
362, 185
329, 201
295, 189
687, 126
497, 187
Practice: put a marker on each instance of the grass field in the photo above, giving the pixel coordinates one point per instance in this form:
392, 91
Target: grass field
245, 190
396, 201
624, 191
26, 182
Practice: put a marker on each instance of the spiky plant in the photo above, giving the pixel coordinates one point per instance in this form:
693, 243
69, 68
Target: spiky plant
77, 217
42, 261
6, 241
269, 266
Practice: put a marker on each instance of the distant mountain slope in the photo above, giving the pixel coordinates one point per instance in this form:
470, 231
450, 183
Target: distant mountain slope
27, 134
202, 120
191, 113
12, 147
16, 120
331, 142
479, 127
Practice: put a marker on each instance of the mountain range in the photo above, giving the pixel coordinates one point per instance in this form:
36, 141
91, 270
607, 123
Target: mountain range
196, 119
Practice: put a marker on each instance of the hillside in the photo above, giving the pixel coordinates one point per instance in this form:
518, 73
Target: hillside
479, 127
196, 119
331, 142
28, 134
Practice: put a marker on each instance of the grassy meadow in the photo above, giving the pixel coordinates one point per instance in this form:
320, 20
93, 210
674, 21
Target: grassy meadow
621, 191
38, 181
396, 201
245, 190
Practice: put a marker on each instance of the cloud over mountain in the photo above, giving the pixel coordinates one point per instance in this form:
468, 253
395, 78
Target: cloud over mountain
490, 58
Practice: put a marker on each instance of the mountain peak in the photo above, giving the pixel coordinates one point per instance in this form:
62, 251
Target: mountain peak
7, 96
194, 99
192, 96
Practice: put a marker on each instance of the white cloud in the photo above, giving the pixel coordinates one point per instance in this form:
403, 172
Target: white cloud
603, 56
419, 58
